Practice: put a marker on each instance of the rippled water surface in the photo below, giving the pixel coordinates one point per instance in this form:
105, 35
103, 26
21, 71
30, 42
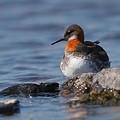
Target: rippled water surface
28, 27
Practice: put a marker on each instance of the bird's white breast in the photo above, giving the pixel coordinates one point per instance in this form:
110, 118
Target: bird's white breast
75, 66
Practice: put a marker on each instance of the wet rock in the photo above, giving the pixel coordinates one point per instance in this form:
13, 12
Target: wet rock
102, 88
31, 89
9, 107
80, 85
67, 88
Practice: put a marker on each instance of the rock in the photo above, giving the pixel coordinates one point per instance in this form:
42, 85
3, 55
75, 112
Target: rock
9, 106
107, 78
31, 89
102, 88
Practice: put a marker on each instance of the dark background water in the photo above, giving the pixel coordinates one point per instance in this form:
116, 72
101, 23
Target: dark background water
28, 27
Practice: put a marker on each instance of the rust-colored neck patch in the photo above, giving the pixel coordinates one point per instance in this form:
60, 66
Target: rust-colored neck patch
71, 45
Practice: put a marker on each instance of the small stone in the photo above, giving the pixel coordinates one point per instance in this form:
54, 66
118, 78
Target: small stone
9, 106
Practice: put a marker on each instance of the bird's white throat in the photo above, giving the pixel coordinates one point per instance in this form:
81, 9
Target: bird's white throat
72, 37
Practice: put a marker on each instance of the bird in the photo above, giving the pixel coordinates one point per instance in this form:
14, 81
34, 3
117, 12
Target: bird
81, 56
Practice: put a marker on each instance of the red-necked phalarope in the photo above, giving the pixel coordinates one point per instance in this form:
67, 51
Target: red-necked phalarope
81, 56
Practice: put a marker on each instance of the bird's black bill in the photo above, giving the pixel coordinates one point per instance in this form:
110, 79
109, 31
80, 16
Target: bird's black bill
58, 41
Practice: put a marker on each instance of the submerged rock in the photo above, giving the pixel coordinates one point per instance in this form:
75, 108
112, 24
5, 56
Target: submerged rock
9, 106
31, 89
101, 88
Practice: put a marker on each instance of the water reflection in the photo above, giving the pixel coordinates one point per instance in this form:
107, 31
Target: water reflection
77, 113
90, 112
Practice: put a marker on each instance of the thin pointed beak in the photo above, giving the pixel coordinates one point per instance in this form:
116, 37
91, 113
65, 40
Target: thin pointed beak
58, 41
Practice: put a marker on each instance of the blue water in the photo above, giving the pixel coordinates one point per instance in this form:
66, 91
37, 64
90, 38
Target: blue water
28, 27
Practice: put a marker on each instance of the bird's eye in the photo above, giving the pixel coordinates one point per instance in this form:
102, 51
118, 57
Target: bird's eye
70, 31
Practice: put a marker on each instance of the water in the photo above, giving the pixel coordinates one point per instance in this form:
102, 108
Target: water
28, 27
